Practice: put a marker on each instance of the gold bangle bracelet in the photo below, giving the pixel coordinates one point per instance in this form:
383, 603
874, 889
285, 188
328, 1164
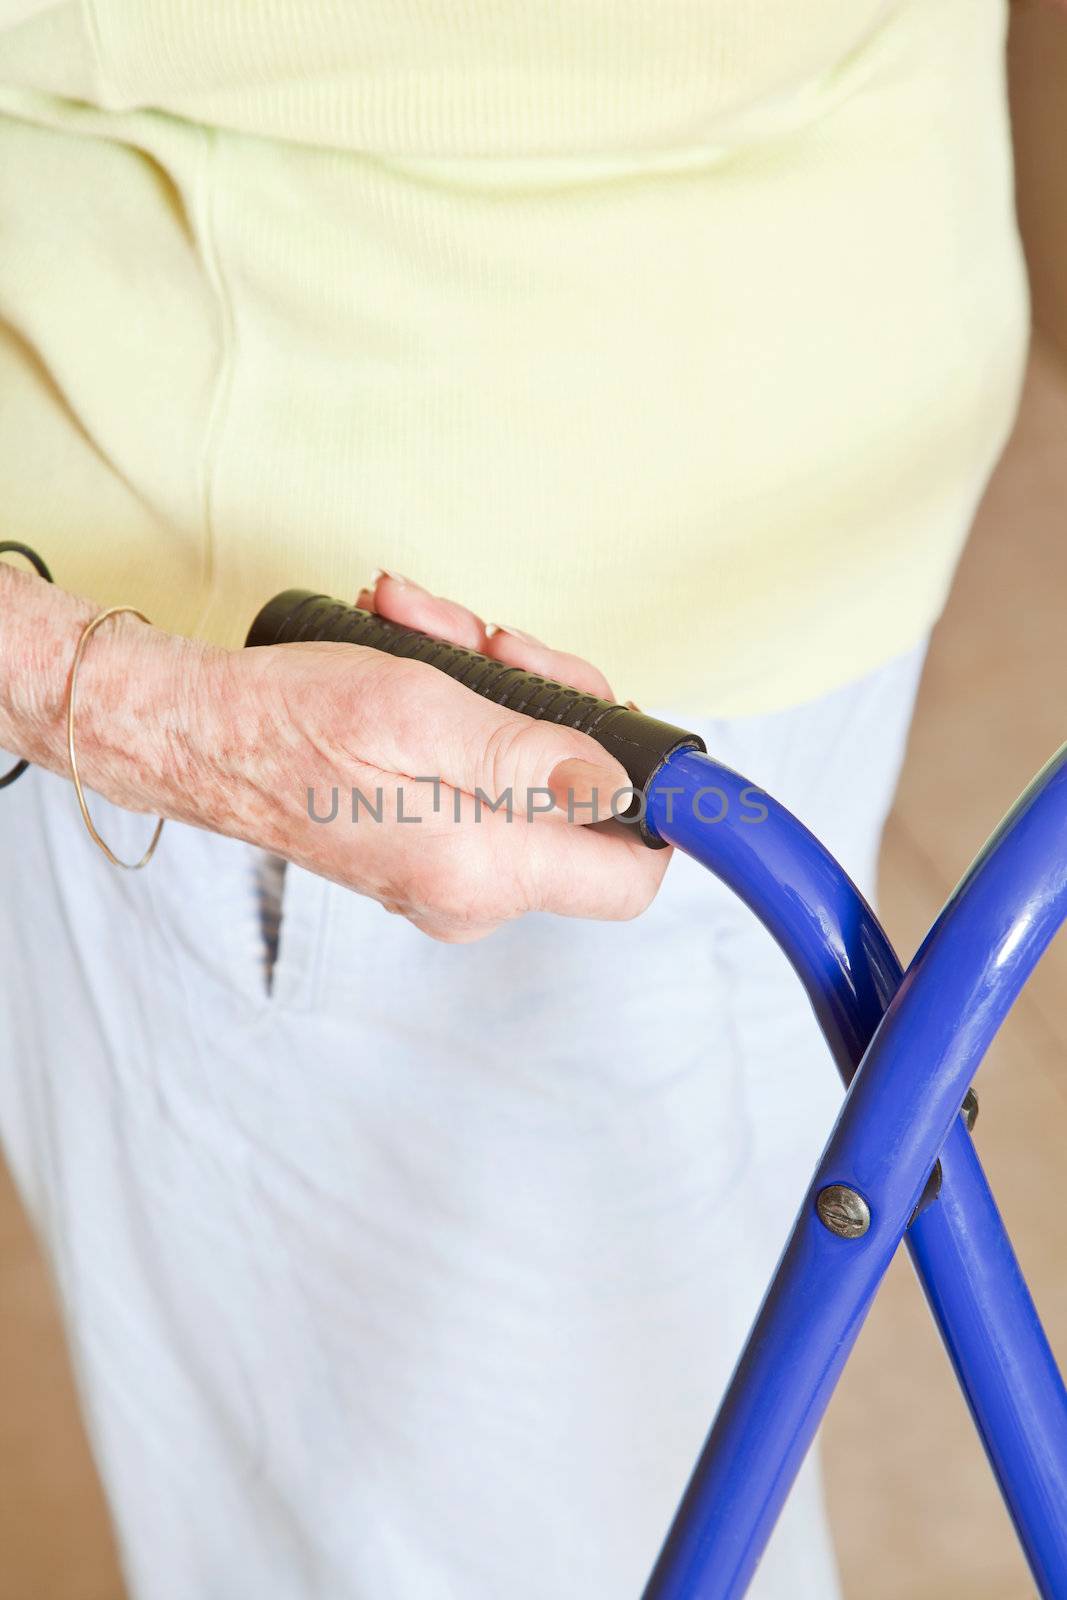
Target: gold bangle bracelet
87, 633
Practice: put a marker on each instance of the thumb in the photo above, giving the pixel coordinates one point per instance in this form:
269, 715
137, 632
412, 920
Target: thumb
428, 725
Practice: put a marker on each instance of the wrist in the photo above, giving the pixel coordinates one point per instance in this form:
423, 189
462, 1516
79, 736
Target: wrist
39, 630
145, 698
143, 723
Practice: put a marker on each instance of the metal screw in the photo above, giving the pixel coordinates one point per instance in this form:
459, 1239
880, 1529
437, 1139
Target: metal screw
969, 1109
843, 1211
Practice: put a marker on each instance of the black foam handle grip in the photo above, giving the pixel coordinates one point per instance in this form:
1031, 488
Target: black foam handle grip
642, 744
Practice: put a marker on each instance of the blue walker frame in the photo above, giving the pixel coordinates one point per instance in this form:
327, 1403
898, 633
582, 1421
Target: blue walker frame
907, 1046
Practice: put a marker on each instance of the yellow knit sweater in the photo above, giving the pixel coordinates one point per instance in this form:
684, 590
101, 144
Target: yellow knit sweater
681, 333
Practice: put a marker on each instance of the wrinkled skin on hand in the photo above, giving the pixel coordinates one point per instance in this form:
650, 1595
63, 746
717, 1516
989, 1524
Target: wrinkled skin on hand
324, 716
234, 740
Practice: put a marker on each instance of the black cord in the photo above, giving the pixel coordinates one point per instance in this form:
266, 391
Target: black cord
12, 547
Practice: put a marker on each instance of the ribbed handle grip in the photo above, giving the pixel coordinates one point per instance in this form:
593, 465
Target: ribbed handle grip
640, 743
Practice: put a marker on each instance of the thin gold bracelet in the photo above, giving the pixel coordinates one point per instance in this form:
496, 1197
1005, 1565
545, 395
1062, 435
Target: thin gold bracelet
87, 633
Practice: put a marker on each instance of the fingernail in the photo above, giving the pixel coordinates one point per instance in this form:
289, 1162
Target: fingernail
632, 706
394, 577
576, 785
493, 628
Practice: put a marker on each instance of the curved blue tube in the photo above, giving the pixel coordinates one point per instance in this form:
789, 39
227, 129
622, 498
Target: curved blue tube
792, 883
898, 1115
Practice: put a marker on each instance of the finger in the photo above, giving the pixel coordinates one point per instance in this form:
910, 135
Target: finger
496, 866
406, 717
518, 649
446, 931
606, 876
604, 873
409, 604
439, 925
412, 606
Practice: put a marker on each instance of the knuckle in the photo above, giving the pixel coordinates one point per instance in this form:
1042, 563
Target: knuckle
499, 753
454, 889
521, 752
394, 686
457, 933
639, 890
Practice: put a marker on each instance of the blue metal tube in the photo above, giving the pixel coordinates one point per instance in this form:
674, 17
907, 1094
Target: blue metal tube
1002, 1359
793, 885
898, 1115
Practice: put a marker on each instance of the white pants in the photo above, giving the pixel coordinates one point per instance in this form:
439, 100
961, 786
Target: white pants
418, 1275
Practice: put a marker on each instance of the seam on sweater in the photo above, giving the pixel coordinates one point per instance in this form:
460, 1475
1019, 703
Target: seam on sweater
218, 409
96, 45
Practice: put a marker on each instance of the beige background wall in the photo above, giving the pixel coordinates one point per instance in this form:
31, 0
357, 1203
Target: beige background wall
1037, 59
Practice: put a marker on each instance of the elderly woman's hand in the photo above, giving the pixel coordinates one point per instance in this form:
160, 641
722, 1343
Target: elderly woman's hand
234, 741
